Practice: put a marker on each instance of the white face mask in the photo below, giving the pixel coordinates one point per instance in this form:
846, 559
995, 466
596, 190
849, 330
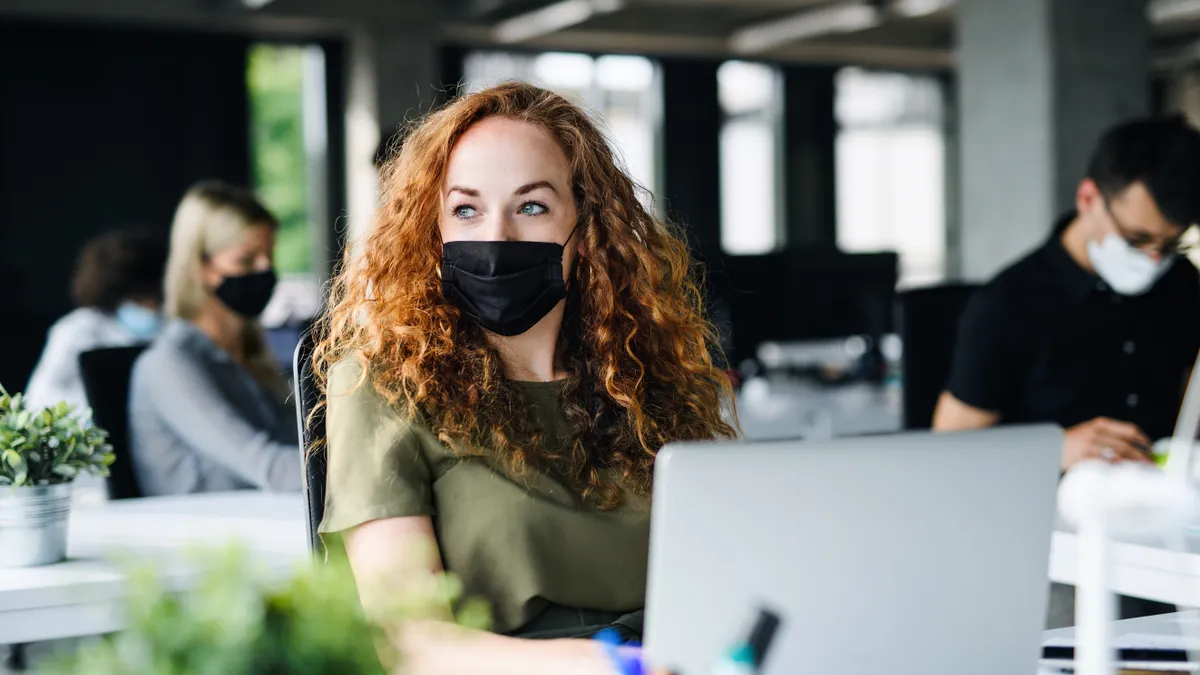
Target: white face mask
1127, 270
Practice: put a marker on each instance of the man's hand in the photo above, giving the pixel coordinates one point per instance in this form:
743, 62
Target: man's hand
1105, 439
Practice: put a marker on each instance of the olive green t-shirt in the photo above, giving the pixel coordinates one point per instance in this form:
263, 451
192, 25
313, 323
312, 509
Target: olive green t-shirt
519, 542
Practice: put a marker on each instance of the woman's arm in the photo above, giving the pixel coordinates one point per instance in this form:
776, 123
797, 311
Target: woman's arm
400, 555
184, 396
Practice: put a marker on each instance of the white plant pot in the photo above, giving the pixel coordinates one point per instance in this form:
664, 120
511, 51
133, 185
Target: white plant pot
33, 525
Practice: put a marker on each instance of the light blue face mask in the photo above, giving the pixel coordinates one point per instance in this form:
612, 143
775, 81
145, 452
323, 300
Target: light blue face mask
143, 323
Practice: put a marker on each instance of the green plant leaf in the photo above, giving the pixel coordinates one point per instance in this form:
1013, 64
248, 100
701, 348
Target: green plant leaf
66, 470
49, 445
13, 459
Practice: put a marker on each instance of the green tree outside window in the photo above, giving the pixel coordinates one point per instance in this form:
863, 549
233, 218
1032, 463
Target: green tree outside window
275, 80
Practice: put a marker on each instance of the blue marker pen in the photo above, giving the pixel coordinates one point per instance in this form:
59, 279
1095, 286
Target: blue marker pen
739, 661
746, 657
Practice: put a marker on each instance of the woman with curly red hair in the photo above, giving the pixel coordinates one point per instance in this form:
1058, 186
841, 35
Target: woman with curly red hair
502, 360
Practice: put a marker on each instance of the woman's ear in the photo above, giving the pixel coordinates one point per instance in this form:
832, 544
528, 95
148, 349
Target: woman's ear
209, 277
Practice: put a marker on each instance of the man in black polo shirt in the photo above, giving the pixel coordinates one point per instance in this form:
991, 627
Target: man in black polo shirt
1098, 329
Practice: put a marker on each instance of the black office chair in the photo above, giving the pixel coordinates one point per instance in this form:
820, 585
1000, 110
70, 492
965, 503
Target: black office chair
312, 438
106, 374
928, 323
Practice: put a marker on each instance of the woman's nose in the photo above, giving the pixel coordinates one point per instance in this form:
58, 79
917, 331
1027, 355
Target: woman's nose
501, 228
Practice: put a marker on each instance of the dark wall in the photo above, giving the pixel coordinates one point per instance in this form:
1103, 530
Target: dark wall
692, 151
101, 127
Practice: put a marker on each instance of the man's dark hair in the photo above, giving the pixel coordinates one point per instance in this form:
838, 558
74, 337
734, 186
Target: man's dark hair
119, 266
1163, 153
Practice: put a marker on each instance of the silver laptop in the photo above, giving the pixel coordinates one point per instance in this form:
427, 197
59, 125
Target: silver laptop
919, 553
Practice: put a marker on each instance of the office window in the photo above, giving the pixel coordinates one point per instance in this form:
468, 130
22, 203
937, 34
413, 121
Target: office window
622, 93
891, 173
751, 96
288, 138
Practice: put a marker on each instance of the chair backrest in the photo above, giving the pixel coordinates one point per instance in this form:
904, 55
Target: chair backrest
928, 322
312, 438
106, 374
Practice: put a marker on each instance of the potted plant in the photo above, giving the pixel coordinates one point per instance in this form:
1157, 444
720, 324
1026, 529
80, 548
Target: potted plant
234, 622
41, 454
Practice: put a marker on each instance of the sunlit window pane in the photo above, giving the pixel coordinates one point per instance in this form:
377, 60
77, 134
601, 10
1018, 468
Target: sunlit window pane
624, 73
750, 141
891, 173
621, 92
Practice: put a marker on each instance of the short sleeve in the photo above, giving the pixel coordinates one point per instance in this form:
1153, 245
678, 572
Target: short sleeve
987, 368
376, 467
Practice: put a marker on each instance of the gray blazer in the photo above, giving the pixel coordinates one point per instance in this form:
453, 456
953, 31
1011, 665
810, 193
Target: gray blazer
198, 421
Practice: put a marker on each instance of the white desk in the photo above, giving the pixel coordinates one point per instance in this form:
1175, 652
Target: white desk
782, 407
1143, 567
1166, 631
85, 595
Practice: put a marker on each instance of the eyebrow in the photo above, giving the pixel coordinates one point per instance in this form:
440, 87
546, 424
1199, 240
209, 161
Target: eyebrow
523, 190
526, 189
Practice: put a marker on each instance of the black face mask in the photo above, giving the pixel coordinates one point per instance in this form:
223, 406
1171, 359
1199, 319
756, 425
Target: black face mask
247, 294
505, 286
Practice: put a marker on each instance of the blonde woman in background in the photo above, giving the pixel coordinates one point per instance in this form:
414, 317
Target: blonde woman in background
207, 404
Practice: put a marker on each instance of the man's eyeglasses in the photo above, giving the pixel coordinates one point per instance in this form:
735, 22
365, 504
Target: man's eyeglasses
1150, 243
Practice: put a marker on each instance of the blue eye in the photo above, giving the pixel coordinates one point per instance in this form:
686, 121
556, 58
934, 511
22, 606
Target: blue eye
465, 211
533, 209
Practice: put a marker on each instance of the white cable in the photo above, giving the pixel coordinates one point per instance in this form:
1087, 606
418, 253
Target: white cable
1179, 461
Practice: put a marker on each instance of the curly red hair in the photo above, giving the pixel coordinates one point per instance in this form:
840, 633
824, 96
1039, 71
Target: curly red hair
640, 350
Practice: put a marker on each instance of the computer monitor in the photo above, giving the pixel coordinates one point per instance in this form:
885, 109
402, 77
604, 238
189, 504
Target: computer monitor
805, 294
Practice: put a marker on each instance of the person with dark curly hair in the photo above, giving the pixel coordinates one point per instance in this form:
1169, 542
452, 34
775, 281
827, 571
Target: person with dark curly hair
117, 291
502, 360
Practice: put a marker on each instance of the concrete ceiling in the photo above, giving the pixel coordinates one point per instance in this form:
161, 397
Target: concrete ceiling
886, 33
895, 33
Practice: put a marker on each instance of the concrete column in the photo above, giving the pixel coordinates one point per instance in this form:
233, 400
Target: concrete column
392, 77
1039, 80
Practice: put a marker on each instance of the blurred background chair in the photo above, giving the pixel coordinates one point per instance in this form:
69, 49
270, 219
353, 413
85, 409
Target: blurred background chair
106, 375
928, 322
312, 438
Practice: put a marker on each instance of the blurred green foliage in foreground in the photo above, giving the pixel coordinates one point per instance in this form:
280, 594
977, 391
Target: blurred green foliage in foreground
235, 623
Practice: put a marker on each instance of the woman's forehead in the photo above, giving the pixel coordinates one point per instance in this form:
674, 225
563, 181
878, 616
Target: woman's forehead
501, 154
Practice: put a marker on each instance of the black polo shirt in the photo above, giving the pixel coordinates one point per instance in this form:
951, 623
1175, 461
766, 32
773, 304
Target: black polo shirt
1046, 341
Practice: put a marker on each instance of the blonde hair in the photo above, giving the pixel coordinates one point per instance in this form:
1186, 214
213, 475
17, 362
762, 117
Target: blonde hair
212, 217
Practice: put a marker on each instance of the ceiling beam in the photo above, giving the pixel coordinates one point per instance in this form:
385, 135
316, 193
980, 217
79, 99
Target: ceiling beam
911, 9
551, 18
846, 17
1172, 11
665, 44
